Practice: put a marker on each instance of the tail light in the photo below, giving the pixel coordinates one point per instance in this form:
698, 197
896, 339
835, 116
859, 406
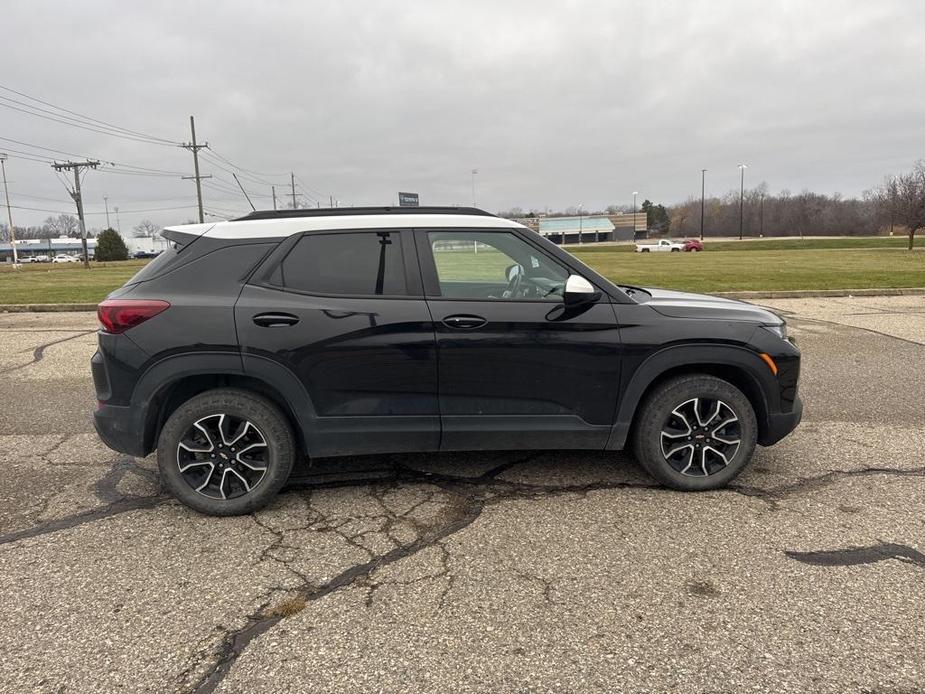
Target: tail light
118, 315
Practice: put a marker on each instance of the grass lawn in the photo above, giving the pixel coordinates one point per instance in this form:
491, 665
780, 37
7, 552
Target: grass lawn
725, 266
758, 269
47, 283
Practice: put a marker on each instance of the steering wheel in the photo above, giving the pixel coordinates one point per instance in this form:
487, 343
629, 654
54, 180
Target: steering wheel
515, 275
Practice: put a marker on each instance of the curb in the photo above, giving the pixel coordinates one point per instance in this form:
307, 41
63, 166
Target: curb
45, 308
821, 293
784, 294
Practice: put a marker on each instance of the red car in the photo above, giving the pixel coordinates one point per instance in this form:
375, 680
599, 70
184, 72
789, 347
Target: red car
693, 245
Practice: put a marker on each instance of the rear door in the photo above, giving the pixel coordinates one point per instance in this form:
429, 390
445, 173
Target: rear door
516, 368
343, 313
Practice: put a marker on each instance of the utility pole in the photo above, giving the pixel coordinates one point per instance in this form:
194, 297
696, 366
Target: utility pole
106, 202
703, 188
118, 223
76, 166
761, 217
635, 193
474, 173
194, 147
273, 188
742, 168
295, 205
9, 211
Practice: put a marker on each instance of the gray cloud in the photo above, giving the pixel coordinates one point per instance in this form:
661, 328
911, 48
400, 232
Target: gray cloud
555, 103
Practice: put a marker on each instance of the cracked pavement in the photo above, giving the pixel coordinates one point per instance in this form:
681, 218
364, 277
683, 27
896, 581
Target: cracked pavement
548, 571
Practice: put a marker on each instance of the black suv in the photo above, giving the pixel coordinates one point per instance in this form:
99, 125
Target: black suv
370, 330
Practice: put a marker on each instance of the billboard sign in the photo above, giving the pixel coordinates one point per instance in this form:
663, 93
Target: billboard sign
408, 200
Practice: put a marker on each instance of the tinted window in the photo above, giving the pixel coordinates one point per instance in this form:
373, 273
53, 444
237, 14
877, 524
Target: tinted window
156, 266
364, 263
494, 265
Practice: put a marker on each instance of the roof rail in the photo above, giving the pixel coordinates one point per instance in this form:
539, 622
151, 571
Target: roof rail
349, 211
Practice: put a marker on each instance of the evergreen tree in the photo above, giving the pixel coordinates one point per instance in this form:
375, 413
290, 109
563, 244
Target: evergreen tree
110, 246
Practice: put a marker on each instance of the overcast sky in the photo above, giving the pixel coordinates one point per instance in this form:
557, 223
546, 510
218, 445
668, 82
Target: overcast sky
555, 103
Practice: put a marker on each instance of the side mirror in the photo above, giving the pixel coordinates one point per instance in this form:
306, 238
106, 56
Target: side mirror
578, 290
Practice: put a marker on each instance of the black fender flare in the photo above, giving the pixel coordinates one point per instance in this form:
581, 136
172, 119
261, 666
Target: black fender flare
165, 373
725, 356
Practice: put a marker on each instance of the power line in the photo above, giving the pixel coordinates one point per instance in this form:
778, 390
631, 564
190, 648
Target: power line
105, 160
84, 116
250, 171
85, 127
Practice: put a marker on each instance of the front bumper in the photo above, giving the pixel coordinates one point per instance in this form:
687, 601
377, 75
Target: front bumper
121, 428
782, 423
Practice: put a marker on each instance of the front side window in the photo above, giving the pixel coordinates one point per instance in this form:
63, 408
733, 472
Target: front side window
365, 263
494, 265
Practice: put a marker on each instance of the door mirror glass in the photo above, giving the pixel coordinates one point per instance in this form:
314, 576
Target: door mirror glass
578, 290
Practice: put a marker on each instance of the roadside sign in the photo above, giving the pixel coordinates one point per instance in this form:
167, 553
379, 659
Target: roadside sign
408, 200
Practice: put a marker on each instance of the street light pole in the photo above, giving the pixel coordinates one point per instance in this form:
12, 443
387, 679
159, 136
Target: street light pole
9, 211
635, 193
703, 187
742, 168
474, 172
580, 223
106, 202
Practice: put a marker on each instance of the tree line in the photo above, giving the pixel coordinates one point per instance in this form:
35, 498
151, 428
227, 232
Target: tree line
896, 206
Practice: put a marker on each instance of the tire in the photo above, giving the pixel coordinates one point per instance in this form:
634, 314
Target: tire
645, 250
252, 449
660, 429
675, 250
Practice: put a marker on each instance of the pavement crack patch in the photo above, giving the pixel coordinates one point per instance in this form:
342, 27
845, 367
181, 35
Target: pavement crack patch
459, 515
855, 556
106, 491
113, 509
39, 352
808, 484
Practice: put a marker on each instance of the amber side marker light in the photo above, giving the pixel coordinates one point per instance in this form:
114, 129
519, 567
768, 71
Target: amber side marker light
769, 361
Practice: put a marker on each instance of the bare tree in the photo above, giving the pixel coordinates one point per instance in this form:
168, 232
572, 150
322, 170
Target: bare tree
903, 198
146, 228
62, 225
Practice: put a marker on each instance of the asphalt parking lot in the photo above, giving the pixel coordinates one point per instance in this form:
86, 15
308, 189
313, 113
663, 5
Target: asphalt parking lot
484, 572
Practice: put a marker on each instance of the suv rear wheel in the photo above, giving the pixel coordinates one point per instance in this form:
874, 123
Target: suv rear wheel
695, 432
225, 452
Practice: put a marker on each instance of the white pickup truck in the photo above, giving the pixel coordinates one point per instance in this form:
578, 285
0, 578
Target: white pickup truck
662, 245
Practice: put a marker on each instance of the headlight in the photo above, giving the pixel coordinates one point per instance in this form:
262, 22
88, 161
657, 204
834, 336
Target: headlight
779, 330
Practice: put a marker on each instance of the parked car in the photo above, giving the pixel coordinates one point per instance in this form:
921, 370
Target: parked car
64, 258
693, 245
377, 330
662, 245
41, 259
145, 254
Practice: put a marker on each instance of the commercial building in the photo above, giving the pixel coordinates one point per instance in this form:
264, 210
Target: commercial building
589, 228
27, 249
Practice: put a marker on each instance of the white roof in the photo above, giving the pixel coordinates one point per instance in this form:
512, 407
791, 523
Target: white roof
286, 226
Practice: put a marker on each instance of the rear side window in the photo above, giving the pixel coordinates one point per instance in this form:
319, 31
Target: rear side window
156, 266
365, 263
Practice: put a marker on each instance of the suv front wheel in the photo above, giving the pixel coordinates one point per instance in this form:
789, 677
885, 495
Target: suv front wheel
695, 432
225, 452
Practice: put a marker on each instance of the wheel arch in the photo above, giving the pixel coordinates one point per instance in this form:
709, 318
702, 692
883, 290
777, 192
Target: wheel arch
738, 365
173, 381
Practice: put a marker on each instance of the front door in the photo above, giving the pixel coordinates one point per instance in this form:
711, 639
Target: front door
342, 312
516, 369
